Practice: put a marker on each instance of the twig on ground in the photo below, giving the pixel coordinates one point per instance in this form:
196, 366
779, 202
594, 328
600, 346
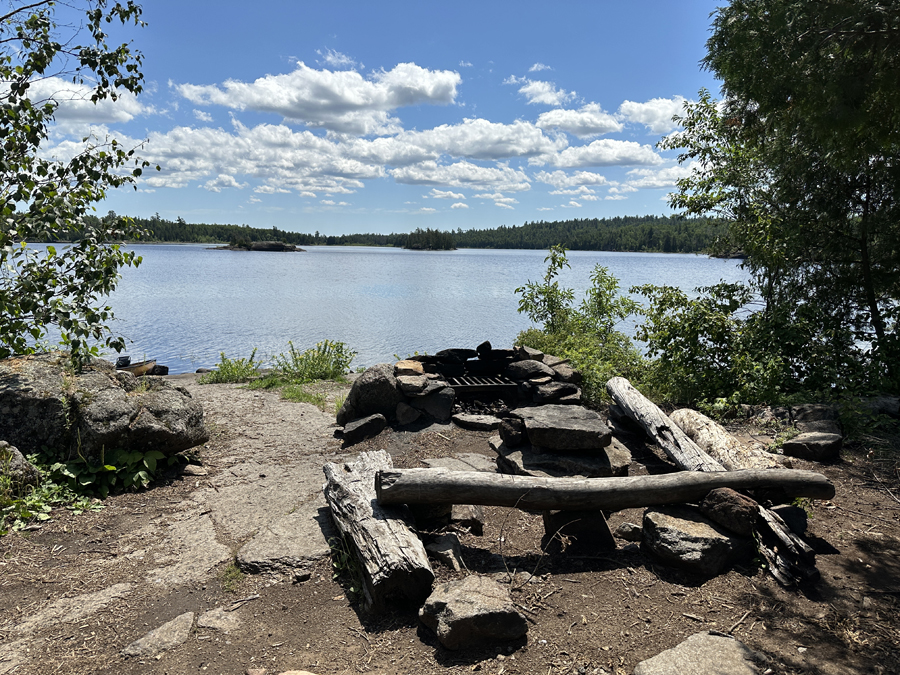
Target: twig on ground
739, 622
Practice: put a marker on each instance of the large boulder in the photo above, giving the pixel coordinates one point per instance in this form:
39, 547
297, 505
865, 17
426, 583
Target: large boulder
43, 405
704, 653
816, 447
375, 392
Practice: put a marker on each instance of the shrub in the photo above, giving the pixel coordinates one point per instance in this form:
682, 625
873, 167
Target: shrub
232, 370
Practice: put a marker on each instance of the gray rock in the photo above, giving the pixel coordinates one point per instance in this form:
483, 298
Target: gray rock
882, 405
167, 636
408, 367
732, 510
438, 405
20, 471
815, 447
702, 654
406, 414
477, 422
567, 373
456, 355
469, 517
219, 619
293, 542
529, 353
473, 611
554, 391
527, 370
553, 361
820, 427
376, 391
412, 384
528, 460
629, 532
512, 432
564, 427
446, 550
682, 537
581, 527
361, 429
42, 404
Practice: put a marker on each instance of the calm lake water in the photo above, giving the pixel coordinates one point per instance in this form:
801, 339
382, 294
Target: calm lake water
187, 303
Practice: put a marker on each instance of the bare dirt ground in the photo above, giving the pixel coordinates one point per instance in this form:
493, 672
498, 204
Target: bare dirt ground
78, 590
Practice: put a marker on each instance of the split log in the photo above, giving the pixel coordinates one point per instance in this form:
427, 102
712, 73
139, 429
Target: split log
440, 486
677, 446
719, 444
393, 563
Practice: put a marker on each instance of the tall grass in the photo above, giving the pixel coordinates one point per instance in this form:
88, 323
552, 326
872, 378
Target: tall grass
232, 370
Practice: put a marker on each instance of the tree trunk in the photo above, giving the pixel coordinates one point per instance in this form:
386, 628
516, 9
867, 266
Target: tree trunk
440, 486
677, 446
719, 444
393, 564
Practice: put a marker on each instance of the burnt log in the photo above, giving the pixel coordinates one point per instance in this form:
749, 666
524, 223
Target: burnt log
440, 486
393, 563
668, 435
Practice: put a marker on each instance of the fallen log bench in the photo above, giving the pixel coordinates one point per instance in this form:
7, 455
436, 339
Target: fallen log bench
441, 486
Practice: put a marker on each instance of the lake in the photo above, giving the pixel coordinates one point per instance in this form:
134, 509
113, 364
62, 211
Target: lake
187, 303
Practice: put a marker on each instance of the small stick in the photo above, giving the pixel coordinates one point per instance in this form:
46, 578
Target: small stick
739, 622
694, 617
238, 603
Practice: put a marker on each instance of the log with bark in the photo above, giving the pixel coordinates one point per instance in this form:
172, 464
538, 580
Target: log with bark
393, 563
441, 486
713, 439
668, 435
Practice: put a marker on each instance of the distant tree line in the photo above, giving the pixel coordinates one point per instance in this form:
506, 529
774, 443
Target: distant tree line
667, 234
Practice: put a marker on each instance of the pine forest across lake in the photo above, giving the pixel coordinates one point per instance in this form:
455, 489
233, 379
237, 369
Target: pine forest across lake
187, 303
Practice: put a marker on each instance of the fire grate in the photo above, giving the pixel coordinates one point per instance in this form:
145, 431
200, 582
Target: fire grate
471, 384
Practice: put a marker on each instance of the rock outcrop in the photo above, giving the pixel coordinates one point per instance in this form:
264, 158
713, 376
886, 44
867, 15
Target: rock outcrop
45, 406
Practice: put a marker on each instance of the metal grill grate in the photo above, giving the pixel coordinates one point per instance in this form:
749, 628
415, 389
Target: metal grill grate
472, 384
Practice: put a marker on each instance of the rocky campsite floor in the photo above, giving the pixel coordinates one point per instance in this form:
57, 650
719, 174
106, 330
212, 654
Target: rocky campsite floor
80, 589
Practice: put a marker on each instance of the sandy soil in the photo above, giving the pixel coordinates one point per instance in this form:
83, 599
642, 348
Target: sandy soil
78, 590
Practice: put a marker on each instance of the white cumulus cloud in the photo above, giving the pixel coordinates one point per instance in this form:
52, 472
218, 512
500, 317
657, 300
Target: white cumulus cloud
540, 92
603, 152
561, 179
203, 116
76, 110
537, 67
459, 205
445, 194
337, 60
656, 114
463, 175
340, 101
590, 120
659, 178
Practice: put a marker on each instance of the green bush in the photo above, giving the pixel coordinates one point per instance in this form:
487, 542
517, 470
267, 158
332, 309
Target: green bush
586, 334
328, 360
232, 370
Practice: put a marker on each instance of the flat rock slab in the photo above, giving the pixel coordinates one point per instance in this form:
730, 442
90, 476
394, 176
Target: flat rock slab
167, 636
69, 610
816, 447
527, 460
702, 654
564, 427
219, 619
291, 542
363, 428
682, 537
476, 422
471, 611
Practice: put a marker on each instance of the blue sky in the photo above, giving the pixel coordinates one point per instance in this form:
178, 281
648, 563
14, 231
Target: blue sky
383, 117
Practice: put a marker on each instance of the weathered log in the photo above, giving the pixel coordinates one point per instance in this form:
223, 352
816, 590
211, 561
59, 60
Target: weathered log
440, 486
677, 446
393, 563
714, 440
